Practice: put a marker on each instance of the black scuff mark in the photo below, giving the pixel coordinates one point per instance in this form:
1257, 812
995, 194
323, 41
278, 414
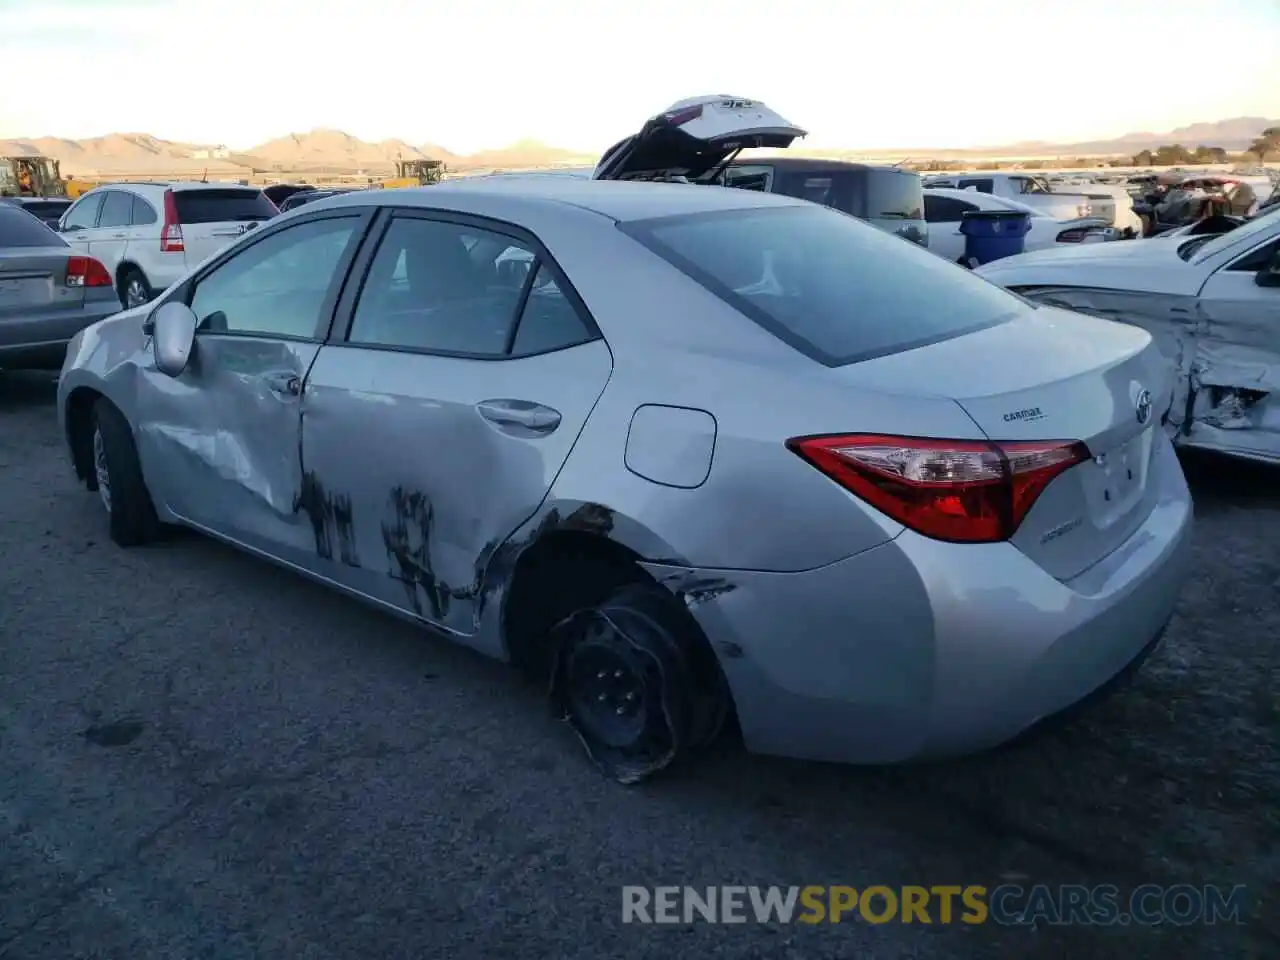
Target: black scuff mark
332, 521
407, 535
119, 733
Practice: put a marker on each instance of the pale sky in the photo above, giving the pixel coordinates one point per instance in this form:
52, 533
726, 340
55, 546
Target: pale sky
473, 74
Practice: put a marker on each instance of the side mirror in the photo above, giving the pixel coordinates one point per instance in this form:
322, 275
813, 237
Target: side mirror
1269, 276
173, 331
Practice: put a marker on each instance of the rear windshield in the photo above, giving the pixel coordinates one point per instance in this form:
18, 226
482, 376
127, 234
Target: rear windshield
870, 194
222, 206
835, 289
20, 229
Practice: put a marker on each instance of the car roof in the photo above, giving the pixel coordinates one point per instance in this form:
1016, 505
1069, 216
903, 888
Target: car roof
150, 186
510, 198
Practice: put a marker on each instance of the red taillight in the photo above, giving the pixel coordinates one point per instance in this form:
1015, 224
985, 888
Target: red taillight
964, 491
86, 272
171, 233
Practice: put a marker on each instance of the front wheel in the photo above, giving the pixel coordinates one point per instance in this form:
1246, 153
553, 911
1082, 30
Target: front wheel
118, 474
637, 682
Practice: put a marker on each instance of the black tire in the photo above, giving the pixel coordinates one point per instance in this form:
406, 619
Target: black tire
132, 516
637, 682
134, 285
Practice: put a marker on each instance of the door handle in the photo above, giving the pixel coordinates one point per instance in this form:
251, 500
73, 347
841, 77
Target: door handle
284, 384
520, 414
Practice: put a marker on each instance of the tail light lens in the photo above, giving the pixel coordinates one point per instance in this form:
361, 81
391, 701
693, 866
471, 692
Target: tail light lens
86, 272
962, 491
171, 233
682, 116
1075, 235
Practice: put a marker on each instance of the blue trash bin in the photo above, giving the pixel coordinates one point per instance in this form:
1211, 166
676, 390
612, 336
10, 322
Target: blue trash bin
993, 234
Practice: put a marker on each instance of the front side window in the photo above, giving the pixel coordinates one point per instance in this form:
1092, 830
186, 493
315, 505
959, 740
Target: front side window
84, 214
835, 289
982, 185
276, 286
443, 287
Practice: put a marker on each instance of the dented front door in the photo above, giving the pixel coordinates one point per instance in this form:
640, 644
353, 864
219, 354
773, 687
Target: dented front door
220, 443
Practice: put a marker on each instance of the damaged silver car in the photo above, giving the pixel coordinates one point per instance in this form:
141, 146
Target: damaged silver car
687, 456
1212, 302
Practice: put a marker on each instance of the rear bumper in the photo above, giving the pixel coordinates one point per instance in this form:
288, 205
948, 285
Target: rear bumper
918, 649
40, 340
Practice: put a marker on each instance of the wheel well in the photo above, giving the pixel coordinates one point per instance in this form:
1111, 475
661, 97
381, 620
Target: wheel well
124, 267
80, 432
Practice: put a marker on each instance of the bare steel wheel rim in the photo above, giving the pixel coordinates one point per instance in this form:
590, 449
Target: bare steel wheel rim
135, 294
100, 471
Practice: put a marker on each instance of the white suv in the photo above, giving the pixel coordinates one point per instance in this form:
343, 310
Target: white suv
150, 235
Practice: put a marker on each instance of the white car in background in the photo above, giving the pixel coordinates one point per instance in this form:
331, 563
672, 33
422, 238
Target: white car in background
1212, 303
150, 235
944, 210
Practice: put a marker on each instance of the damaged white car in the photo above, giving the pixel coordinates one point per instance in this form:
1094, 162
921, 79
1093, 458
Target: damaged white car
1211, 302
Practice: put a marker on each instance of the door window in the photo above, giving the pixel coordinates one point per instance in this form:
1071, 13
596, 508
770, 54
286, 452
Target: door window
143, 212
945, 209
1258, 259
117, 209
277, 286
84, 214
982, 185
451, 288
749, 177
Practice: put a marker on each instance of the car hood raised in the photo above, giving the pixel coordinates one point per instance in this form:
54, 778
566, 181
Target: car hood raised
1140, 265
692, 137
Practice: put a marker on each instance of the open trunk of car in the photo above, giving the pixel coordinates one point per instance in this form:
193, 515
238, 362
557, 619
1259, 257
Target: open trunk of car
693, 137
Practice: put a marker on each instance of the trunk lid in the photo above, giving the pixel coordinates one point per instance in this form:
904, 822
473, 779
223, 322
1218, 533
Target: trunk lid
692, 137
213, 217
1051, 374
33, 280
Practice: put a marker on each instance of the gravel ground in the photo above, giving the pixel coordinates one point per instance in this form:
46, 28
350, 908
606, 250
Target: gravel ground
204, 756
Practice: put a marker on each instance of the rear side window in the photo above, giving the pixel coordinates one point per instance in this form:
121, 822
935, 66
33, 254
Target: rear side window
982, 185
222, 206
837, 290
143, 212
20, 229
893, 195
868, 193
117, 210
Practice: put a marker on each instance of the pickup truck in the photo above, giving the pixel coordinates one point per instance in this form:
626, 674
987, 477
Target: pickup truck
1035, 191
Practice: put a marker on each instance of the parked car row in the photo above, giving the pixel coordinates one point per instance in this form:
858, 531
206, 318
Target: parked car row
531, 412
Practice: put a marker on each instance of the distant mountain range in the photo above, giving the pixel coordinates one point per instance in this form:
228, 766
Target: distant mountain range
297, 152
333, 150
1235, 134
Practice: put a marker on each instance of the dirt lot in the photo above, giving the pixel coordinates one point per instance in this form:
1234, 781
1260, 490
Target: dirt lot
204, 756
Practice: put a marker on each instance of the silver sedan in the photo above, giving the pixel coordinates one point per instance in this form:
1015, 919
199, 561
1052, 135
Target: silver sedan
684, 453
48, 292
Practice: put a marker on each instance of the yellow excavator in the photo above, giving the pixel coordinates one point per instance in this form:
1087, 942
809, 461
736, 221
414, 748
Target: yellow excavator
31, 177
416, 173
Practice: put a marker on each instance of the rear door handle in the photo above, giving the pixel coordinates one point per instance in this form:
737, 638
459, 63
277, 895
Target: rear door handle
118, 236
284, 384
522, 415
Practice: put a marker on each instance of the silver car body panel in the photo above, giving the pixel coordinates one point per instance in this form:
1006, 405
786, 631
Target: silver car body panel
386, 480
1215, 326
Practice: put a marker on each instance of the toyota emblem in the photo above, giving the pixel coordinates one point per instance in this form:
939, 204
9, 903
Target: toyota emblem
1143, 406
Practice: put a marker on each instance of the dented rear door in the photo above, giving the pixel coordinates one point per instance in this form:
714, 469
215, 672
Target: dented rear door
436, 426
